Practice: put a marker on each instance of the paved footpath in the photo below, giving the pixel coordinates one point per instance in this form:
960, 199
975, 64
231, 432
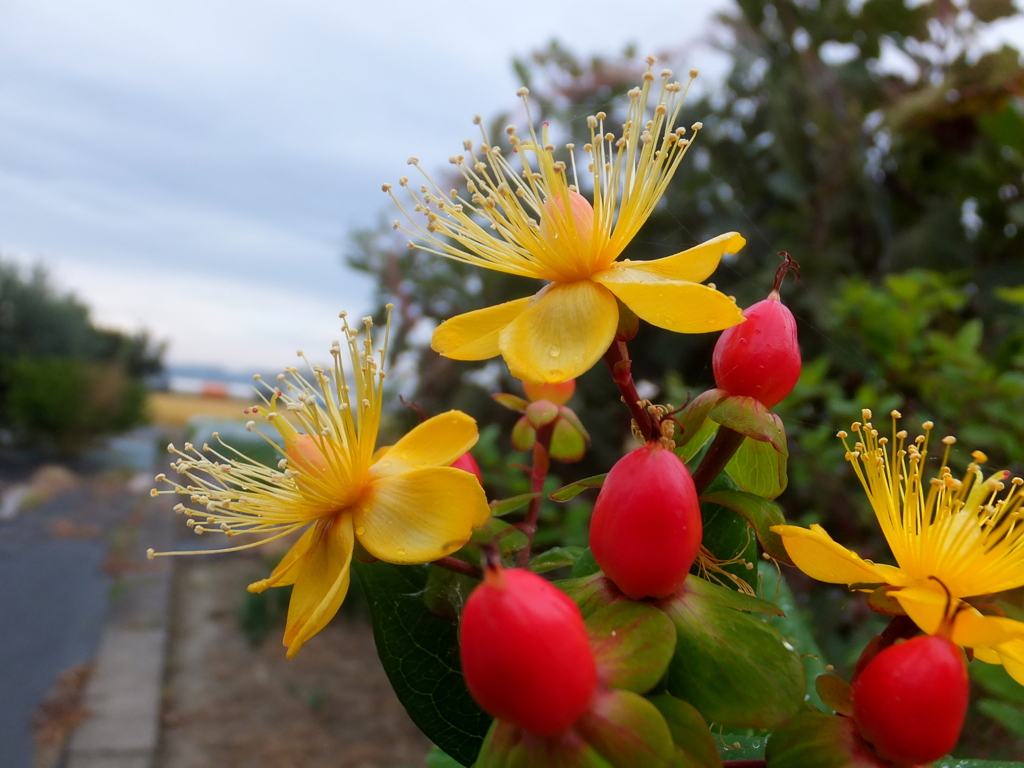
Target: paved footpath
125, 690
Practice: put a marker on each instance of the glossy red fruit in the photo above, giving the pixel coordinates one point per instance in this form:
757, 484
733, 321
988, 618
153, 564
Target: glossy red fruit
525, 652
646, 529
909, 702
467, 463
760, 357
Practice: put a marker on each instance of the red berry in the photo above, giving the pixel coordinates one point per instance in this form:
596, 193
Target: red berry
525, 652
910, 700
760, 357
646, 529
467, 463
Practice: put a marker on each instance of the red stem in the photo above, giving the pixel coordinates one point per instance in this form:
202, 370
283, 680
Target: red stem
539, 473
722, 448
459, 566
618, 362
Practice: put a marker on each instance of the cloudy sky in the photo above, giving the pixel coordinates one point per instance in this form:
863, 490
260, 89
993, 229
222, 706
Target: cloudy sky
194, 167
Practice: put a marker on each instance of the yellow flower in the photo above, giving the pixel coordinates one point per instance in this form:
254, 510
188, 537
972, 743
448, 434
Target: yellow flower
520, 223
953, 539
403, 503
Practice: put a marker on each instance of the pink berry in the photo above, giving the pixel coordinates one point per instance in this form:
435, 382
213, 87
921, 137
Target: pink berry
910, 700
760, 357
525, 652
646, 529
467, 463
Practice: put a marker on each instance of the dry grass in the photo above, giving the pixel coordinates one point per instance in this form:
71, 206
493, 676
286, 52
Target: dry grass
170, 409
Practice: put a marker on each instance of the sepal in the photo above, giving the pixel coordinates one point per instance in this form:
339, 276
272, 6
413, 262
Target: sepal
512, 402
735, 669
816, 740
689, 731
836, 693
632, 643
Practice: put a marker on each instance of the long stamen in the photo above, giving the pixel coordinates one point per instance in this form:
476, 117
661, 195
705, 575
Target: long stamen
321, 470
960, 531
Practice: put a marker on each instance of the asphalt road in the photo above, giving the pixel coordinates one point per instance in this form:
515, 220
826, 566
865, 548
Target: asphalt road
55, 580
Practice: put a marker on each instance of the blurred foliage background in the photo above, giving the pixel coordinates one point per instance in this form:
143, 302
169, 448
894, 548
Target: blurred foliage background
63, 381
884, 148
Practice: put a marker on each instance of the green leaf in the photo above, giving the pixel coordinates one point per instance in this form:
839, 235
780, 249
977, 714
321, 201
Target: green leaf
502, 507
1010, 716
438, 758
742, 743
689, 731
627, 731
714, 593
795, 629
586, 565
734, 668
991, 10
510, 538
420, 654
750, 417
556, 557
836, 693
817, 740
1014, 295
446, 592
996, 681
632, 644
572, 490
761, 513
759, 469
698, 440
728, 537
694, 416
956, 762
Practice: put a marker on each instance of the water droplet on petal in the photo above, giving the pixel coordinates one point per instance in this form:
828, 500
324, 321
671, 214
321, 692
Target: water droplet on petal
555, 351
360, 530
401, 552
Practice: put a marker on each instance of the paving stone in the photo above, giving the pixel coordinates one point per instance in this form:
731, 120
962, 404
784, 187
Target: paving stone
124, 693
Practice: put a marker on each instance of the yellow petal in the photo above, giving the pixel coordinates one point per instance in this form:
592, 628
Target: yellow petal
567, 329
987, 655
676, 305
321, 582
1012, 656
474, 335
928, 603
286, 571
420, 515
695, 264
437, 442
815, 553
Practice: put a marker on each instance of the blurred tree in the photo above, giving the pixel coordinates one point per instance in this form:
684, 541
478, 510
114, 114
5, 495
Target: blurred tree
864, 138
62, 380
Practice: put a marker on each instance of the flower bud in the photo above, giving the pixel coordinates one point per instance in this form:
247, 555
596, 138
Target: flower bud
760, 357
559, 393
909, 702
525, 652
646, 529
